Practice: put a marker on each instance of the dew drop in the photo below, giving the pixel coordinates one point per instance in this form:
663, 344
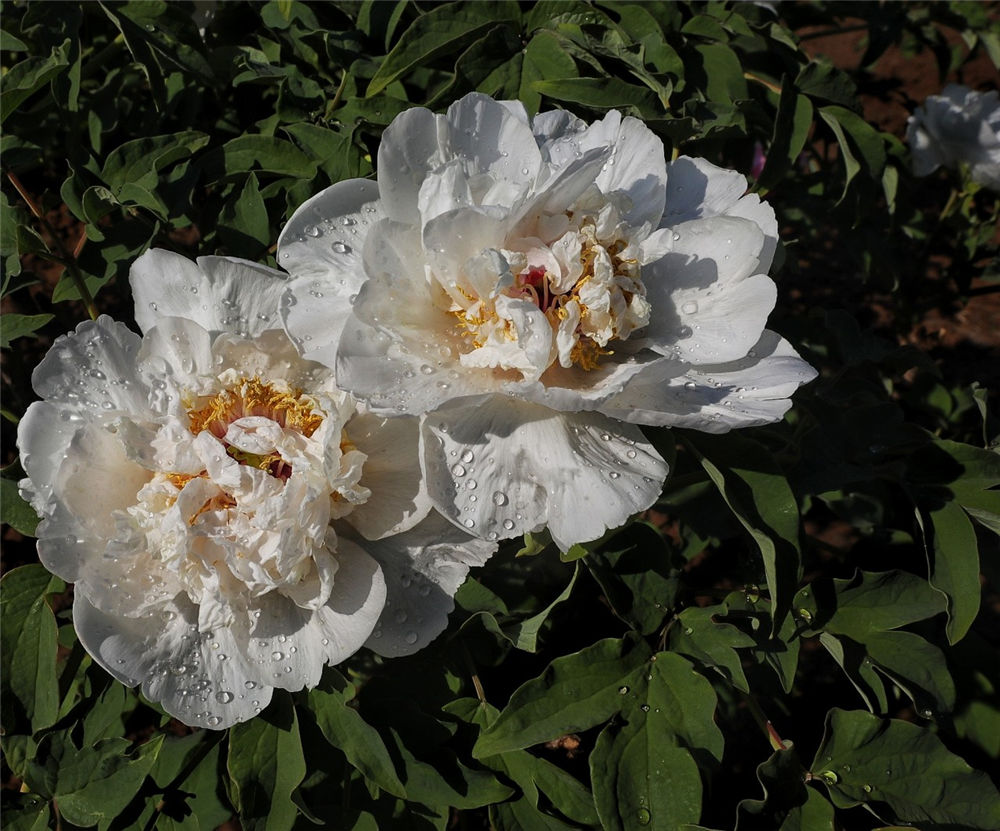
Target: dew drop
829, 777
214, 721
508, 524
250, 685
458, 470
690, 385
341, 248
224, 696
867, 788
499, 498
277, 656
411, 637
467, 457
645, 708
471, 485
427, 369
470, 523
623, 690
643, 817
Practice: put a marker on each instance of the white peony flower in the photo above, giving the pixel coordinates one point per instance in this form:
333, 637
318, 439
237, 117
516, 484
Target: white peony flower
533, 285
959, 126
187, 482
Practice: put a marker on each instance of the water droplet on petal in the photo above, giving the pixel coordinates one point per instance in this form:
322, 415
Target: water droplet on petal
458, 470
277, 656
224, 696
689, 308
341, 248
312, 231
467, 456
508, 524
411, 637
499, 498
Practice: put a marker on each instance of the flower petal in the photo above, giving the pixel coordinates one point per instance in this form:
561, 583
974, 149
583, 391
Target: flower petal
392, 473
93, 369
753, 390
423, 569
321, 248
505, 467
221, 294
698, 189
709, 309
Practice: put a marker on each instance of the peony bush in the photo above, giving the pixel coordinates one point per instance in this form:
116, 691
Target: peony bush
512, 416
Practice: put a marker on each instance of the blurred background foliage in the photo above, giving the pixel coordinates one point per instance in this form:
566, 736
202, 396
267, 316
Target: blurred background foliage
801, 635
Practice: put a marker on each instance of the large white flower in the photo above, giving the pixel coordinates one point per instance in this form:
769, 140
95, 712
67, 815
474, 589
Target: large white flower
533, 285
959, 126
232, 521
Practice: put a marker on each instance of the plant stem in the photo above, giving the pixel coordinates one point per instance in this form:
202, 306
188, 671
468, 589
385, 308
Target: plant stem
68, 260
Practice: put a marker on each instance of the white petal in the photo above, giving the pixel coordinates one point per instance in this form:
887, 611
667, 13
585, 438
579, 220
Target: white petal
177, 348
321, 247
505, 467
698, 189
707, 308
753, 390
491, 139
638, 168
399, 497
410, 148
164, 654
243, 295
93, 369
97, 478
221, 294
44, 434
423, 569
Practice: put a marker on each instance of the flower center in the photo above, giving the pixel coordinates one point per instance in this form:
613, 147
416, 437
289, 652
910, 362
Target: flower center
253, 397
596, 297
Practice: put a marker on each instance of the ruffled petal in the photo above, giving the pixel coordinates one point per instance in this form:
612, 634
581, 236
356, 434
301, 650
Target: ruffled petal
44, 434
423, 569
221, 294
505, 467
93, 370
753, 390
391, 472
321, 246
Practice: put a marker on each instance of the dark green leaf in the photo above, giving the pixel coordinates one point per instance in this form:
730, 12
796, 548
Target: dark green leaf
13, 326
265, 766
575, 692
758, 494
894, 765
244, 226
955, 567
441, 30
29, 76
30, 698
91, 784
698, 635
346, 730
599, 93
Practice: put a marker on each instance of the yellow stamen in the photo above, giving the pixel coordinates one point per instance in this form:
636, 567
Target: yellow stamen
253, 397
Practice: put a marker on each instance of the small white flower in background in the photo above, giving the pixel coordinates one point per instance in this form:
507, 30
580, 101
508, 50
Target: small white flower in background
535, 285
959, 126
187, 481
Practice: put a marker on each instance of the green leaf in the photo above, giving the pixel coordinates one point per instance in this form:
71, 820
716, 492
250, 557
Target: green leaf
870, 602
30, 75
442, 30
265, 766
575, 692
599, 93
244, 226
866, 138
955, 567
30, 687
533, 775
25, 812
756, 491
17, 513
345, 729
92, 784
919, 668
139, 162
524, 635
636, 576
885, 763
820, 79
624, 761
265, 153
788, 805
544, 59
698, 635
791, 130
13, 326
336, 153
